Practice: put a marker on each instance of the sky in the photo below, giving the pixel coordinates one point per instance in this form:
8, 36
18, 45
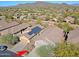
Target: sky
12, 3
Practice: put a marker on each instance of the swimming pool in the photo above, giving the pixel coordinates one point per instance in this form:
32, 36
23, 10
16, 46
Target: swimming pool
35, 30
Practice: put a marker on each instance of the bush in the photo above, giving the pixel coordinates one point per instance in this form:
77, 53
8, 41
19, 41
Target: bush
76, 15
38, 21
60, 50
66, 50
8, 38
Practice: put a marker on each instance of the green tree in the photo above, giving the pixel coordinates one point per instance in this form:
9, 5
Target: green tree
65, 26
66, 29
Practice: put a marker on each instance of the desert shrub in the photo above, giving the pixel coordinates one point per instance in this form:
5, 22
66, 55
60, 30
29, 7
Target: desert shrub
60, 50
8, 38
38, 21
66, 50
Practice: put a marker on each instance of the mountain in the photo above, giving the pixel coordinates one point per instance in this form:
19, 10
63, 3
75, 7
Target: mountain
76, 4
41, 4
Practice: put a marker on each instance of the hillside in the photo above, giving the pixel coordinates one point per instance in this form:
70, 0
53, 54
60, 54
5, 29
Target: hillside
44, 4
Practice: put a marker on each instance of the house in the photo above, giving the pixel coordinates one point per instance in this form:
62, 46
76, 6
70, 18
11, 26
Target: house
69, 19
73, 36
16, 16
22, 17
16, 29
4, 25
55, 19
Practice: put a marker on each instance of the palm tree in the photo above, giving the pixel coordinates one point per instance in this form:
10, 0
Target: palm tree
66, 29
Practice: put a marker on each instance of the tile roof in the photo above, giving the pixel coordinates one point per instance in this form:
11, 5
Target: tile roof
4, 25
16, 29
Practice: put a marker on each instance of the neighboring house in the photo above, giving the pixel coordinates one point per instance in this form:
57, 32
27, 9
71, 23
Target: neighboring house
73, 36
55, 19
16, 29
16, 16
4, 25
22, 17
69, 19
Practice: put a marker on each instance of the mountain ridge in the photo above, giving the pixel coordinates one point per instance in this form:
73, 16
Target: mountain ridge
42, 4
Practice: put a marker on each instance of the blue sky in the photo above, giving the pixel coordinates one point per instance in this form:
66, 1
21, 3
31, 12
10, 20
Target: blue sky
12, 3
